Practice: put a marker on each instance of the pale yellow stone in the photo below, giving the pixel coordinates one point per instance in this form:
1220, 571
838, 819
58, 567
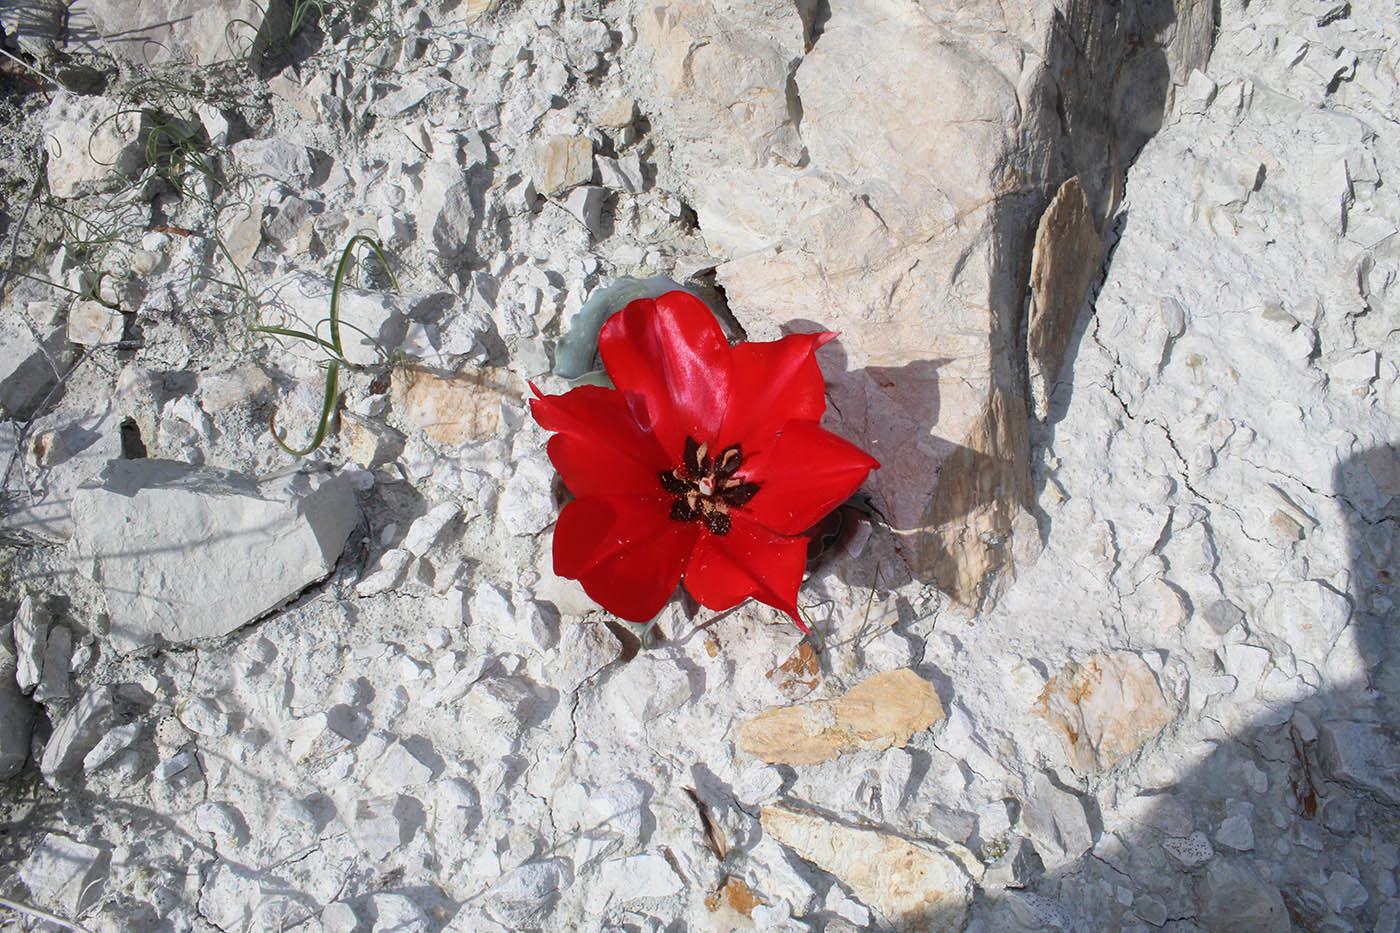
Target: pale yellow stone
881, 712
620, 113
91, 323
564, 162
1103, 709
916, 886
454, 409
367, 442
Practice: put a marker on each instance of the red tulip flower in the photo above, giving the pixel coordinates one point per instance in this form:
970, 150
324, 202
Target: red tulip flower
705, 464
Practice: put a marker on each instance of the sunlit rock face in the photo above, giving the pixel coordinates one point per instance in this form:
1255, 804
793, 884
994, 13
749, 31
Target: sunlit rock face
881, 171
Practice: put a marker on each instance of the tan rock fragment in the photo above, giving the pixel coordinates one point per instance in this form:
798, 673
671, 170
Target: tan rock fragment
237, 385
881, 712
916, 886
1067, 255
1104, 709
367, 442
454, 409
799, 674
565, 162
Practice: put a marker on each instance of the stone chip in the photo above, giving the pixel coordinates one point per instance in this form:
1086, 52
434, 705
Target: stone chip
915, 885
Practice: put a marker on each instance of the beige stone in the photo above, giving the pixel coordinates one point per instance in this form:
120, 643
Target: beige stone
1103, 709
619, 114
1067, 256
458, 408
910, 226
881, 712
564, 162
915, 885
91, 323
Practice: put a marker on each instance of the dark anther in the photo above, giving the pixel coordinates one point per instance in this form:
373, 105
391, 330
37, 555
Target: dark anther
728, 461
691, 458
674, 484
697, 462
738, 495
717, 522
681, 511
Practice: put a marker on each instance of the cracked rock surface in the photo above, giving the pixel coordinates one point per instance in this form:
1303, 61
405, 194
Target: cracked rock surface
1109, 642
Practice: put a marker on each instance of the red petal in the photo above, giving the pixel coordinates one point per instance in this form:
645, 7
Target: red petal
808, 472
600, 449
626, 551
672, 352
773, 383
749, 561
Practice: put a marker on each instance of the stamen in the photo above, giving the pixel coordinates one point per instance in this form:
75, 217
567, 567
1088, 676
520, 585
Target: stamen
673, 483
728, 461
691, 462
682, 512
738, 495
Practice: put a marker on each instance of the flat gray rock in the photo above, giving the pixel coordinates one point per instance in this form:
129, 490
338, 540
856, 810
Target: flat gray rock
188, 552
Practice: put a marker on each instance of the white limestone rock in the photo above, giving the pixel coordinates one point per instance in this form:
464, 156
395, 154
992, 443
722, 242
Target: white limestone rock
1362, 753
1234, 896
584, 649
634, 877
527, 502
151, 32
29, 356
77, 733
223, 821
1055, 820
30, 631
373, 324
64, 874
379, 827
396, 913
186, 552
525, 895
203, 716
426, 529
91, 143
275, 159
397, 769
113, 742
393, 564
1191, 851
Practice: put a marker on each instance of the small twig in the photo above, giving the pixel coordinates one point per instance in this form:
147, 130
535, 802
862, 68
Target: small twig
40, 914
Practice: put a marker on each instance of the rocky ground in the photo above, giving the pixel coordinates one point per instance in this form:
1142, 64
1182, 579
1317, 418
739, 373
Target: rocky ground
1108, 643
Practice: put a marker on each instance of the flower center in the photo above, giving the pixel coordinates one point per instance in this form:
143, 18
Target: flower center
705, 487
